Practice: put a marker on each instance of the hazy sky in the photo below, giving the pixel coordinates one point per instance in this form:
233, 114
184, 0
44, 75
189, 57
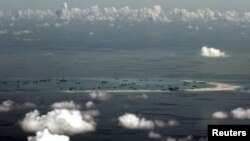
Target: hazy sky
239, 5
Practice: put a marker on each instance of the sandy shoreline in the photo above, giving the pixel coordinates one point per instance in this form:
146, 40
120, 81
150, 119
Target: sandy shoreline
216, 87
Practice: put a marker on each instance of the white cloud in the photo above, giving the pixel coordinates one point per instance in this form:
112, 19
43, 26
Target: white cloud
46, 135
247, 16
22, 32
154, 135
241, 113
65, 105
231, 15
9, 105
200, 15
99, 95
90, 105
132, 121
95, 13
220, 115
59, 121
237, 113
206, 15
212, 52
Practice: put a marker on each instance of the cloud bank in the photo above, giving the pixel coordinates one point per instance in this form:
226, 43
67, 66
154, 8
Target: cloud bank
212, 52
132, 121
155, 13
46, 135
59, 121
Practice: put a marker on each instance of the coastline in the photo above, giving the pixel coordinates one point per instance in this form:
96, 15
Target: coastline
217, 86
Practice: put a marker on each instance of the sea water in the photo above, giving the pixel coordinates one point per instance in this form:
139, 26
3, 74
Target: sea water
52, 63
